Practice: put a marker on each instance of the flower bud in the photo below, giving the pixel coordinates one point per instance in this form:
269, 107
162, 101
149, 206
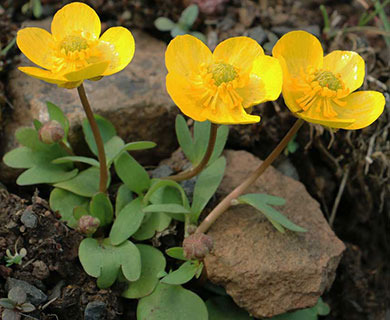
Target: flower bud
51, 132
88, 224
197, 246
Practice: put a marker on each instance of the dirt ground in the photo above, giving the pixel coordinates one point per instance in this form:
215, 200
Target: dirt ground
324, 160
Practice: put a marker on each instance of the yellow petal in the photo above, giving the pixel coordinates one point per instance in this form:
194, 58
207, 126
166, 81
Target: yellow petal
179, 88
185, 54
43, 75
298, 50
37, 45
364, 106
91, 71
331, 123
266, 69
239, 52
349, 64
75, 17
118, 47
226, 115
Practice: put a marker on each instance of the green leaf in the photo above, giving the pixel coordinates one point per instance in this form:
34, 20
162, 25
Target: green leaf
55, 113
176, 252
182, 275
132, 174
169, 302
85, 184
222, 135
305, 314
201, 139
37, 124
262, 203
164, 24
178, 31
152, 223
123, 197
79, 212
104, 261
206, 185
113, 148
153, 262
7, 303
121, 147
27, 307
189, 15
322, 308
184, 138
20, 158
68, 159
48, 173
64, 202
167, 208
37, 8
160, 184
128, 222
106, 129
200, 36
28, 137
100, 207
223, 308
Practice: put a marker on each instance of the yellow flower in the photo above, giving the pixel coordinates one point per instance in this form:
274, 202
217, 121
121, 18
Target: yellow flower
73, 52
219, 86
320, 89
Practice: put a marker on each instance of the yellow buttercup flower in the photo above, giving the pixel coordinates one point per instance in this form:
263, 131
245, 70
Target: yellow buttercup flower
320, 89
219, 86
73, 52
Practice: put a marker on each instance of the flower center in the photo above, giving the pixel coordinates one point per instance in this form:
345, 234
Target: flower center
222, 73
328, 79
322, 90
73, 43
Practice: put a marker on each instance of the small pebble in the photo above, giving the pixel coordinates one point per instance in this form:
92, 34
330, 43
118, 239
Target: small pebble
95, 310
40, 271
29, 219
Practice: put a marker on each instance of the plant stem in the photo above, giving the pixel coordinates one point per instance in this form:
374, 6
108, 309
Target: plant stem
194, 171
227, 201
98, 138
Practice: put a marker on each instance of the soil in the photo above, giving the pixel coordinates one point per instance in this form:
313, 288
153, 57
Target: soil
323, 159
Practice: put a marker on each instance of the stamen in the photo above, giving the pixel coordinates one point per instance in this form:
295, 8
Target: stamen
222, 73
320, 88
73, 43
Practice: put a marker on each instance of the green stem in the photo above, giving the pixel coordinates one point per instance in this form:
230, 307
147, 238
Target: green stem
229, 199
186, 175
98, 138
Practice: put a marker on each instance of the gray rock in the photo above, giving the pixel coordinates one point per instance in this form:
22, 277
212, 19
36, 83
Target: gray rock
34, 295
264, 271
29, 219
287, 168
258, 34
95, 310
162, 171
134, 100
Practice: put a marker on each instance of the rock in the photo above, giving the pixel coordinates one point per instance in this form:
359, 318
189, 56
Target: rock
161, 171
40, 271
29, 219
95, 310
258, 34
34, 295
135, 100
264, 271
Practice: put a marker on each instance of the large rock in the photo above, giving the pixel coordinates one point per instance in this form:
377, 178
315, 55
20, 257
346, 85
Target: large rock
135, 100
265, 271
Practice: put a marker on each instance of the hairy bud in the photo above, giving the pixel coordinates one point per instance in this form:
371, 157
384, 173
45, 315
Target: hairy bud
88, 224
197, 246
51, 132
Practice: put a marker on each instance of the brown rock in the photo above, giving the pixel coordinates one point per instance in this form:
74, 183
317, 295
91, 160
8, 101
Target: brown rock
267, 272
135, 100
